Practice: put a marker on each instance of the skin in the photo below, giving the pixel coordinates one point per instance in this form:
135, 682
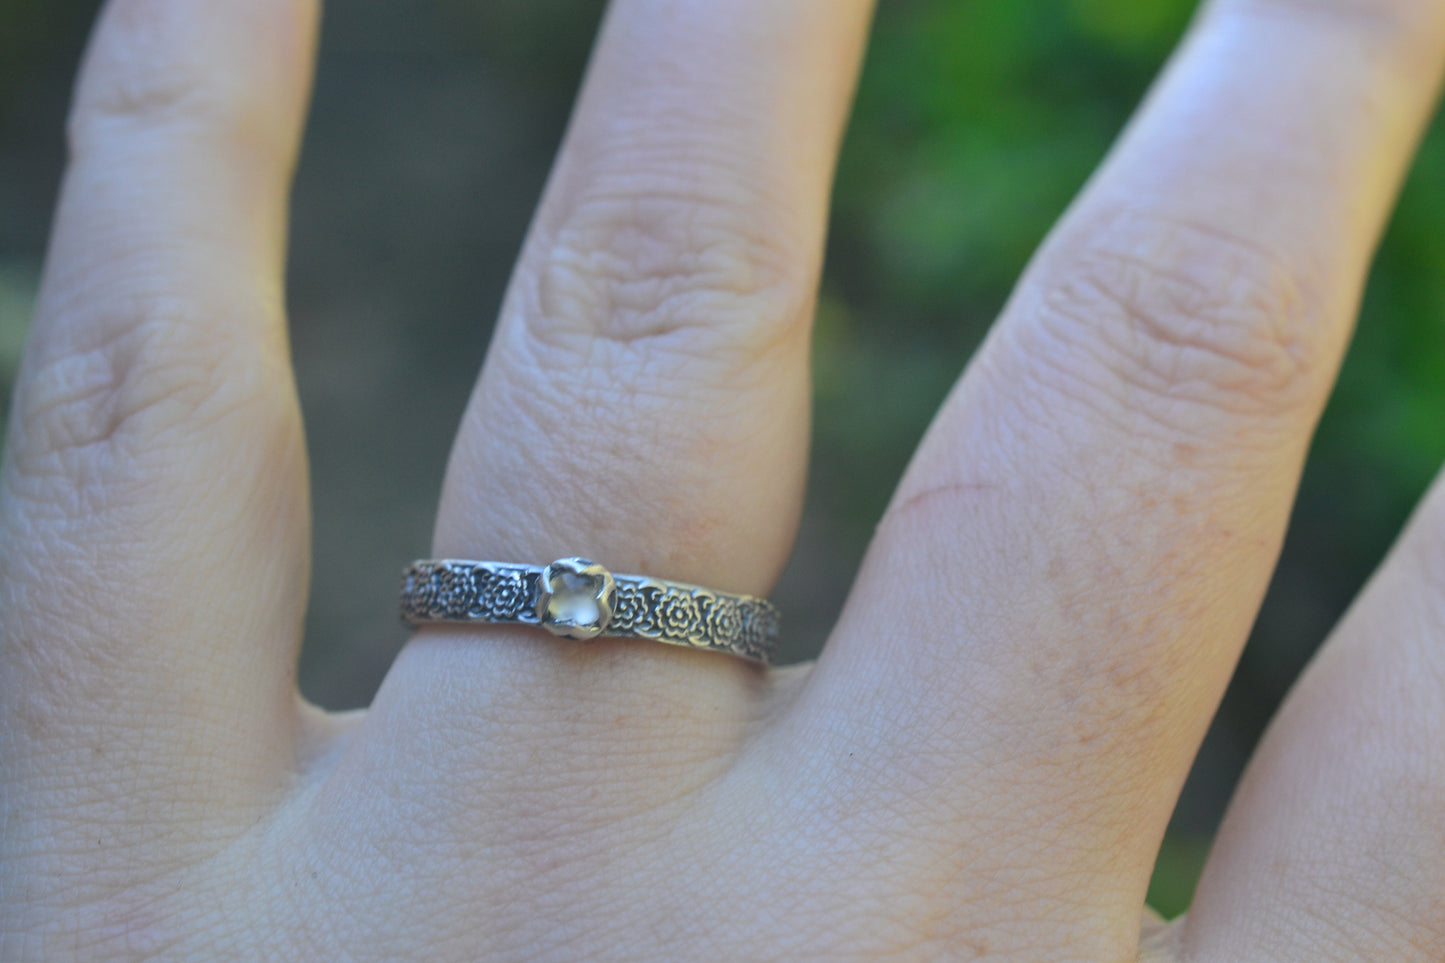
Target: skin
982, 762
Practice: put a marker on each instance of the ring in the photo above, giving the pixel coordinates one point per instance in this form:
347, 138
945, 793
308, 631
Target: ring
578, 599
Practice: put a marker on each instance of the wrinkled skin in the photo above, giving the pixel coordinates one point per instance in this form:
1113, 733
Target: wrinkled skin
982, 762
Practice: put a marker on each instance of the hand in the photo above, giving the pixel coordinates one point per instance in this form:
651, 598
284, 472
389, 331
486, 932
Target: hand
981, 764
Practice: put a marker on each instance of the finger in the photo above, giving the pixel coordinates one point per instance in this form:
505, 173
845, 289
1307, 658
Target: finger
648, 378
1054, 602
645, 400
1334, 847
153, 572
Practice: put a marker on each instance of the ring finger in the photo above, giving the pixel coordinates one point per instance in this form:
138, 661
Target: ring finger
645, 399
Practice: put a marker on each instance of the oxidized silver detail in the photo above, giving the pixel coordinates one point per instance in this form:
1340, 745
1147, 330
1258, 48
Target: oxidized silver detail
628, 606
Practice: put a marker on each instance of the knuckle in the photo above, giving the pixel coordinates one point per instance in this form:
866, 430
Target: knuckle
695, 269
1186, 315
160, 65
150, 381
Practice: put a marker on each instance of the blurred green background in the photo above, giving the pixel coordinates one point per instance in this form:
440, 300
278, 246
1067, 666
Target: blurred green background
434, 124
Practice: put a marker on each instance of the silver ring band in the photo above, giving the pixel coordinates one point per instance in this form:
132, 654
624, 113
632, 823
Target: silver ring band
577, 598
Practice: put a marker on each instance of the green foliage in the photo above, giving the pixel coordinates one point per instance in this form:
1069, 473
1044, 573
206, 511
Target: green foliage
975, 125
17, 299
1176, 872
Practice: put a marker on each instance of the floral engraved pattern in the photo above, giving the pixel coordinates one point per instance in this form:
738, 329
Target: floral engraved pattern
419, 590
647, 608
502, 594
677, 615
760, 630
725, 622
630, 609
456, 590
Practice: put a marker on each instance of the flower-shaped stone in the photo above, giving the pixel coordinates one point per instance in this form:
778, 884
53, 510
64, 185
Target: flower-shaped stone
575, 598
